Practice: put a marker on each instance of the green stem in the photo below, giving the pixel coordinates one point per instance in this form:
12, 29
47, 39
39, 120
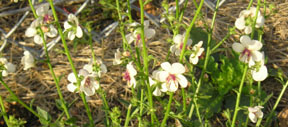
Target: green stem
141, 106
21, 102
184, 99
50, 66
129, 11
182, 11
268, 120
195, 97
106, 106
128, 116
177, 9
163, 124
71, 62
250, 4
255, 19
239, 96
145, 62
3, 111
222, 41
189, 29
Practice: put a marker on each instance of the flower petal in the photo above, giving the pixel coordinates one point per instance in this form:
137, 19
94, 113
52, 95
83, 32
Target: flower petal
88, 67
248, 29
257, 56
240, 23
194, 60
11, 68
261, 75
83, 72
149, 33
252, 117
79, 32
30, 32
164, 87
53, 32
157, 92
166, 66
71, 78
71, 87
71, 35
237, 47
245, 40
256, 45
177, 68
182, 81
67, 25
178, 39
129, 37
163, 76
131, 69
38, 40
173, 86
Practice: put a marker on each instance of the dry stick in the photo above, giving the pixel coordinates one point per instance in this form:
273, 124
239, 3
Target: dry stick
71, 63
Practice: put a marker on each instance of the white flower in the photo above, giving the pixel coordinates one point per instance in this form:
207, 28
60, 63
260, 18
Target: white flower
155, 75
255, 113
73, 27
260, 72
245, 20
88, 85
27, 60
10, 68
178, 44
172, 76
100, 67
136, 35
129, 75
248, 49
117, 60
197, 52
43, 22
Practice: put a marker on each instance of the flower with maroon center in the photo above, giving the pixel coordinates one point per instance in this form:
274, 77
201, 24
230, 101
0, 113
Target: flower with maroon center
73, 28
248, 49
129, 75
136, 34
172, 76
178, 44
88, 85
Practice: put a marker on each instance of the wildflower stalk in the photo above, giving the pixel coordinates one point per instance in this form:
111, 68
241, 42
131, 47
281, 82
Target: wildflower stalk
56, 80
129, 10
128, 116
3, 111
141, 106
19, 101
250, 4
189, 29
255, 19
145, 62
223, 40
239, 96
163, 124
71, 62
268, 120
195, 98
177, 9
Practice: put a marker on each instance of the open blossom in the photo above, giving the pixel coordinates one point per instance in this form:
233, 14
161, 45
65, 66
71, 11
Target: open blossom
136, 35
178, 44
9, 67
44, 23
197, 52
248, 49
27, 60
129, 75
260, 72
172, 76
117, 60
88, 85
255, 113
73, 27
246, 19
100, 67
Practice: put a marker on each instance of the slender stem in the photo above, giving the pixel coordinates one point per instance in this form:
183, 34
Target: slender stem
21, 102
250, 4
50, 65
182, 11
3, 111
184, 99
71, 62
189, 29
128, 116
163, 124
177, 9
195, 98
255, 19
268, 120
129, 11
106, 106
141, 106
239, 96
222, 41
145, 62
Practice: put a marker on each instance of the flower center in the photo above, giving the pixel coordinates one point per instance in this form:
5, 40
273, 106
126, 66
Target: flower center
88, 82
127, 76
48, 18
171, 77
246, 52
138, 38
44, 29
181, 45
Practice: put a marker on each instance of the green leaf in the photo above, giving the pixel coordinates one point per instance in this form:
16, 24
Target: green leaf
44, 114
71, 121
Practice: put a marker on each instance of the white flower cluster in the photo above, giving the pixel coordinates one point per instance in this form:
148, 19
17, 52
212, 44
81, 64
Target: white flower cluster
9, 67
246, 19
